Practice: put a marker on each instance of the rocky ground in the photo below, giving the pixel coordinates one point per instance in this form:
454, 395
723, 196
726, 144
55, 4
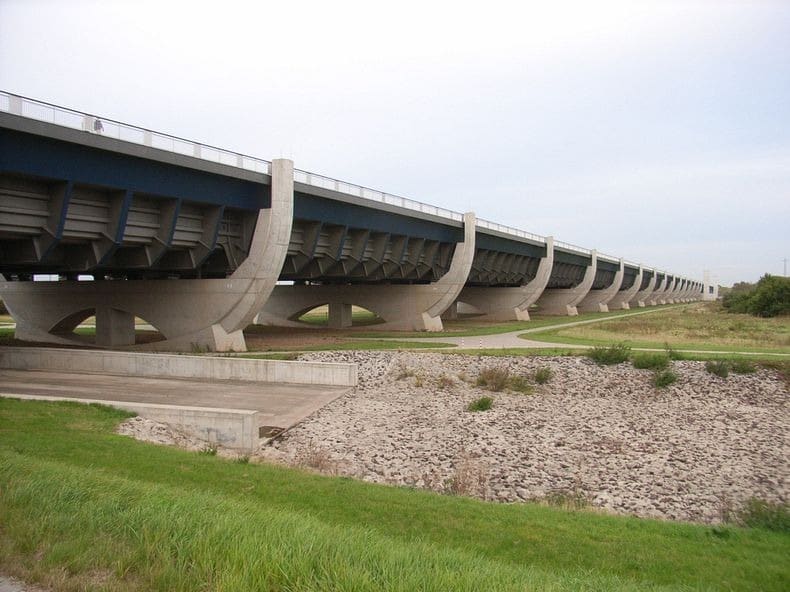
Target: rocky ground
598, 435
593, 435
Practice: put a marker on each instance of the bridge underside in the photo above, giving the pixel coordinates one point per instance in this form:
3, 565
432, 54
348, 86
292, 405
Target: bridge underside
197, 248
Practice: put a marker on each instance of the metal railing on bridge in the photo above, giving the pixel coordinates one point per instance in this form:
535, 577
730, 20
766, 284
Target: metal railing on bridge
572, 248
62, 116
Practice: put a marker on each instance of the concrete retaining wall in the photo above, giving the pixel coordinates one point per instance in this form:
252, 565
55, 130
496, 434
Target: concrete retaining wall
176, 366
231, 428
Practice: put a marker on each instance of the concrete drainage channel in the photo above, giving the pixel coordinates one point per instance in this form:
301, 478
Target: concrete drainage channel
232, 402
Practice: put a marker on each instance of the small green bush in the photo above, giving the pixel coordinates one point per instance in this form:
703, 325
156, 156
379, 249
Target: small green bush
481, 404
613, 354
720, 368
650, 361
520, 384
543, 375
493, 378
743, 367
671, 353
444, 382
757, 513
664, 378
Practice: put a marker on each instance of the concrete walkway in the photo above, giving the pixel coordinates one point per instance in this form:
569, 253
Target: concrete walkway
280, 405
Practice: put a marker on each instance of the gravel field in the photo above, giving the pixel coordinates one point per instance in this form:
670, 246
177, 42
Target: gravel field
601, 435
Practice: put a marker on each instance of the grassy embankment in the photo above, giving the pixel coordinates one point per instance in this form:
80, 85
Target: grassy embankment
700, 326
81, 507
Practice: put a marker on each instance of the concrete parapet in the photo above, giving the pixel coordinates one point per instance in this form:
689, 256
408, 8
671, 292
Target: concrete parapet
563, 301
511, 304
177, 366
232, 428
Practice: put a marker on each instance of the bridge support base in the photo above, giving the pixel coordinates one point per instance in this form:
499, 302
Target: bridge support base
511, 304
598, 300
190, 314
416, 307
564, 301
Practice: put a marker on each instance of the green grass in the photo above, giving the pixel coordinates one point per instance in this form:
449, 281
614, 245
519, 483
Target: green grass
664, 378
481, 404
610, 354
80, 505
470, 327
699, 326
650, 360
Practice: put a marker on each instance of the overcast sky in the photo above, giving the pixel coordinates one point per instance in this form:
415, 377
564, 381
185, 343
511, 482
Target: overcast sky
656, 131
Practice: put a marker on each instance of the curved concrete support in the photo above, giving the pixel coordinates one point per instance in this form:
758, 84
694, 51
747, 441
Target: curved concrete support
641, 297
190, 314
598, 300
658, 293
404, 307
509, 304
666, 297
622, 299
564, 301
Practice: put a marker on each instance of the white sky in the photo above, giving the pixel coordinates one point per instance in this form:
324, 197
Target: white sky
657, 131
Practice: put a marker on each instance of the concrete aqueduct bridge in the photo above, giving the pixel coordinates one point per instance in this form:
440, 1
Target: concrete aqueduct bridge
199, 242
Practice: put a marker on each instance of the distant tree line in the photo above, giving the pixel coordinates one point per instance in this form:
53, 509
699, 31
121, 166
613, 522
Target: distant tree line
769, 297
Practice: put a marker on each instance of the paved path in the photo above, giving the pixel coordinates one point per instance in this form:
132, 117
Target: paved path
281, 405
512, 340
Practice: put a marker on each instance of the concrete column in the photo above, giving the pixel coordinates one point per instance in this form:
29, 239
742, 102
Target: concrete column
597, 300
623, 298
114, 327
339, 315
658, 293
206, 314
564, 301
451, 314
666, 295
642, 296
511, 304
403, 307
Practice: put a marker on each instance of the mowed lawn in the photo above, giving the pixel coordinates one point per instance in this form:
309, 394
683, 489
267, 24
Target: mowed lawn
83, 508
695, 326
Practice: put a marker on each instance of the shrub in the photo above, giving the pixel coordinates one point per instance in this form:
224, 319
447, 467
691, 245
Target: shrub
743, 367
493, 378
613, 354
671, 353
469, 478
403, 372
445, 382
651, 361
481, 404
720, 368
543, 375
770, 297
520, 385
209, 450
757, 513
664, 378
